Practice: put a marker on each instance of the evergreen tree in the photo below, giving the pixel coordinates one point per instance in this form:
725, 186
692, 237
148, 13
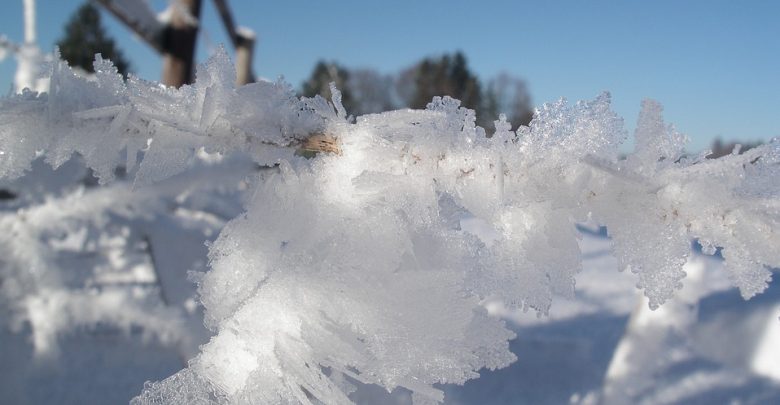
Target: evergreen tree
85, 36
366, 91
319, 83
509, 95
371, 92
446, 76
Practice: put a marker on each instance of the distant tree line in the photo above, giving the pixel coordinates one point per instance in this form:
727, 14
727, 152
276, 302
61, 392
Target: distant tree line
366, 91
721, 148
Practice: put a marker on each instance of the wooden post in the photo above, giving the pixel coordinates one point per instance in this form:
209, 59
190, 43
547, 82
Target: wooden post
179, 44
176, 40
244, 50
243, 41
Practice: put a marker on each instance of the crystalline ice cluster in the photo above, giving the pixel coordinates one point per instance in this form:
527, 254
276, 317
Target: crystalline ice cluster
355, 266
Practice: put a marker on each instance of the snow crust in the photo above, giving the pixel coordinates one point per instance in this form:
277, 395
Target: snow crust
357, 266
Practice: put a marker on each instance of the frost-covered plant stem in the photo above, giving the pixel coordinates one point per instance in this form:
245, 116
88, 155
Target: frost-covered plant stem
354, 266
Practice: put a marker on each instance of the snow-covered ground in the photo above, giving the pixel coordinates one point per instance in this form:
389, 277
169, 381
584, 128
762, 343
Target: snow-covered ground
103, 280
705, 346
605, 346
95, 292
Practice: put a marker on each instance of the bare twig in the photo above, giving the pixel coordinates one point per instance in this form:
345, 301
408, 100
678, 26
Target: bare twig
321, 143
157, 275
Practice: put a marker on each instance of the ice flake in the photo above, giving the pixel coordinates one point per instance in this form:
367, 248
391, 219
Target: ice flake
657, 144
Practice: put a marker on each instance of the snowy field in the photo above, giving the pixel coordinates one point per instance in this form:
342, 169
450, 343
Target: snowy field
113, 306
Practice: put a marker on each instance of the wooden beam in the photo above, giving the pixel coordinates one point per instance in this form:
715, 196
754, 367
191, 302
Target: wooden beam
151, 34
244, 55
243, 44
179, 44
227, 21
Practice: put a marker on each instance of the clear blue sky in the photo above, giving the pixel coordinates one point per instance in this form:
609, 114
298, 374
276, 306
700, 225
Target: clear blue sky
713, 64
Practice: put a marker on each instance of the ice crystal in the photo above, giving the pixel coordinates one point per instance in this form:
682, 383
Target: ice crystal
356, 266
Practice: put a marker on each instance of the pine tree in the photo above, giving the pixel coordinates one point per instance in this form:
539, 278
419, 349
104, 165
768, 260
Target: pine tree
450, 76
319, 83
85, 36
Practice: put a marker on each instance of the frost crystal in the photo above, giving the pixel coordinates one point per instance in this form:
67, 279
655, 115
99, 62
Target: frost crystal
359, 266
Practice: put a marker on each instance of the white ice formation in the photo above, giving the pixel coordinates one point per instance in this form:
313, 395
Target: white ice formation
354, 266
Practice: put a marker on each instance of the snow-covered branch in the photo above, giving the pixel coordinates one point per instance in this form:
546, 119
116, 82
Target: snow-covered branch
354, 266
102, 118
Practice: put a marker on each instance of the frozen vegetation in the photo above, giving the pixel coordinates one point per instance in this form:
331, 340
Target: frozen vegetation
373, 264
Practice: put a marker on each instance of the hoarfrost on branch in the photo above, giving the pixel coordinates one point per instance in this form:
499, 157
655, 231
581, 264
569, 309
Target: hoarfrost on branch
354, 266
